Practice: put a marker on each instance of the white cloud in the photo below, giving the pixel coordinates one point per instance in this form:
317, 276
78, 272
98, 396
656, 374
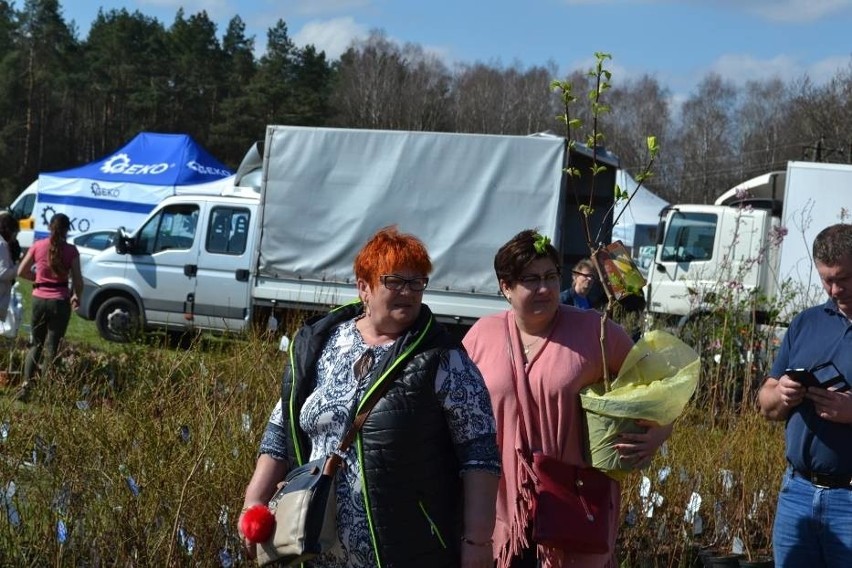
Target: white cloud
825, 69
796, 11
332, 36
189, 6
788, 11
740, 68
336, 35
325, 7
443, 54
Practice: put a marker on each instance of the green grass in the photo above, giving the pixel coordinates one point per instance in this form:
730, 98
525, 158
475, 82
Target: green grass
80, 331
141, 449
83, 334
133, 448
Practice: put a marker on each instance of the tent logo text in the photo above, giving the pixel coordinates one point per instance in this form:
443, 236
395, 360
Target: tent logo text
121, 164
99, 191
77, 224
209, 170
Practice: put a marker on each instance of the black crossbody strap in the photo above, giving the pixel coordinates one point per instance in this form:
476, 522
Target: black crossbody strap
361, 417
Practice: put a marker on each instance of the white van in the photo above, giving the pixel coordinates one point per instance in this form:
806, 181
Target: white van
187, 266
22, 210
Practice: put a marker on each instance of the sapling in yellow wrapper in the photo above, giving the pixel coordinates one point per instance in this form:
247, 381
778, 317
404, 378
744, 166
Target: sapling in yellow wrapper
657, 379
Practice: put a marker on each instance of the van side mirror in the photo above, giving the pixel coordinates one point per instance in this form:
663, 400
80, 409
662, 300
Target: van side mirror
123, 242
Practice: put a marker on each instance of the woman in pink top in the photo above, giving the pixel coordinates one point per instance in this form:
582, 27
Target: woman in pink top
552, 351
49, 263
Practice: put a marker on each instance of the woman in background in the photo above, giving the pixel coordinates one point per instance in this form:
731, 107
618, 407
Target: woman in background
583, 277
50, 263
10, 254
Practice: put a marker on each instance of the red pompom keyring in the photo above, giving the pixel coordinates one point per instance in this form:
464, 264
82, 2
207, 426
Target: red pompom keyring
257, 523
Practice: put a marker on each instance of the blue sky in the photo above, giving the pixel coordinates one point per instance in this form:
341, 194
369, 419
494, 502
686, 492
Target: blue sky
677, 41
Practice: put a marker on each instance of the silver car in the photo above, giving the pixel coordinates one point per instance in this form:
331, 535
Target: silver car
91, 243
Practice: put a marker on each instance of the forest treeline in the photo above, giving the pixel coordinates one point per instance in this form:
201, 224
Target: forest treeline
67, 100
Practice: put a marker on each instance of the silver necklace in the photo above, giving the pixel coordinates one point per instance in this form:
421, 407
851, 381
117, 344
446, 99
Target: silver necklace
528, 346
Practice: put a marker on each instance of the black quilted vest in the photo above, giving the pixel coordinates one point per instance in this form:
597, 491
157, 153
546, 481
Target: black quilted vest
409, 466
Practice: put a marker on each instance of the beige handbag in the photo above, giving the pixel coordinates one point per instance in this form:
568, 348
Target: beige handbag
305, 507
305, 510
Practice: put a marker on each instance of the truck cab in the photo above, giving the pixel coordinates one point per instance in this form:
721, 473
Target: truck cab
706, 253
22, 210
724, 250
186, 267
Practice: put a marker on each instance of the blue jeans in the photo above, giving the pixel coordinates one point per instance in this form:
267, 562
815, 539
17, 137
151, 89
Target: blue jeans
813, 526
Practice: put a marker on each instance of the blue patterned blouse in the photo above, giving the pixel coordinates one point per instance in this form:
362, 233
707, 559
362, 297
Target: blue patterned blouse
467, 408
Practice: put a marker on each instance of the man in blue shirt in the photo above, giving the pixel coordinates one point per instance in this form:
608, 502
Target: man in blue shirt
582, 281
814, 515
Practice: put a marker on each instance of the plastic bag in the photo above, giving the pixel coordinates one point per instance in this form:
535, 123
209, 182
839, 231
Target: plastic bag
9, 326
657, 379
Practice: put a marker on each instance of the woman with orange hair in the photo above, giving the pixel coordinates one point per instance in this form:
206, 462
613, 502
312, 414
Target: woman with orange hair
50, 263
420, 490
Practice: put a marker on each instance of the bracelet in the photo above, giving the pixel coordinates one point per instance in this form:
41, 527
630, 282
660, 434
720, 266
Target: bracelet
466, 540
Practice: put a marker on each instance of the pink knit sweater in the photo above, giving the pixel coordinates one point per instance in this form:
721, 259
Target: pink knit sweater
569, 360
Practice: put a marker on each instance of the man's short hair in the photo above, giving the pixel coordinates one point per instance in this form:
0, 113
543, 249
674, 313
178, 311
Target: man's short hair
833, 245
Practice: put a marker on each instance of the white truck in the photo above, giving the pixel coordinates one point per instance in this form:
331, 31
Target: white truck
754, 241
217, 262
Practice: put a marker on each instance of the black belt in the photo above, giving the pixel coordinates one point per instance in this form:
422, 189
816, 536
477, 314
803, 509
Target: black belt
825, 480
50, 285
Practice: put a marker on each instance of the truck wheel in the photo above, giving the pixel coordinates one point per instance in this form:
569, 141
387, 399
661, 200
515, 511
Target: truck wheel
118, 319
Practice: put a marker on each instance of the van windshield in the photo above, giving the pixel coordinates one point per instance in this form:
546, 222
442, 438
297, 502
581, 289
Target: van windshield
23, 208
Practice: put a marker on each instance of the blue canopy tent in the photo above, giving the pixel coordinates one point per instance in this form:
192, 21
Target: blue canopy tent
120, 189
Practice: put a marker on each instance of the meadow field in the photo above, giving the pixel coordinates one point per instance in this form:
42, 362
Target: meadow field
137, 455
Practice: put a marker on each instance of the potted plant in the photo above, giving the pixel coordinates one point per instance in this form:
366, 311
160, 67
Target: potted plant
758, 470
755, 532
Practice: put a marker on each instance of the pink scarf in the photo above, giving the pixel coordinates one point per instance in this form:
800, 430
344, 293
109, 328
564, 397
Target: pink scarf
569, 360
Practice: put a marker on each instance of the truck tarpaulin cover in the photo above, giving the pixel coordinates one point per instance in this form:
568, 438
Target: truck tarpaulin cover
352, 183
121, 188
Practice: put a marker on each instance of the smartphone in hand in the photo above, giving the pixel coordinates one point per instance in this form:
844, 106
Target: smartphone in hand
803, 376
824, 376
830, 378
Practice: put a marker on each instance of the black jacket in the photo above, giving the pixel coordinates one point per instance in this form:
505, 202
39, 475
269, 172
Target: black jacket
412, 487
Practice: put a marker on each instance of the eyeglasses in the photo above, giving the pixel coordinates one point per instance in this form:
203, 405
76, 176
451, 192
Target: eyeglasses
396, 283
535, 281
583, 274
